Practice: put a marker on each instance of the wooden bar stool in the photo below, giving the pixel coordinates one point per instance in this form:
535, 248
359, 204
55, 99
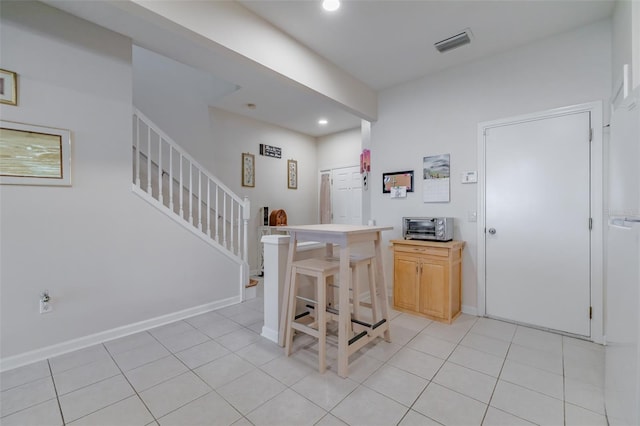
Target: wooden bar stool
316, 326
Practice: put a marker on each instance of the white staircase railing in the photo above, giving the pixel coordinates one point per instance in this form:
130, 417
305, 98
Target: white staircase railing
167, 176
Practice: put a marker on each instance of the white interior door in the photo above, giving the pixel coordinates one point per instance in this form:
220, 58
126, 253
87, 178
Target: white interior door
537, 212
347, 195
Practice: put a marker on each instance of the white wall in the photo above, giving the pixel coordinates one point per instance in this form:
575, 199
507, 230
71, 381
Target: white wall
626, 41
107, 258
339, 149
234, 134
176, 97
440, 114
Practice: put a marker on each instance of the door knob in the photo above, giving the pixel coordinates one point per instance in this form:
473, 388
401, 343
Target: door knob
492, 231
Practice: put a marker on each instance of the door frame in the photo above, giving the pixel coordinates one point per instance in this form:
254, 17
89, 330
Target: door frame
596, 192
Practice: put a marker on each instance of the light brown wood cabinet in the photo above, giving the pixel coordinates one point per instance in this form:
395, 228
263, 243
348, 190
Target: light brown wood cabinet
427, 278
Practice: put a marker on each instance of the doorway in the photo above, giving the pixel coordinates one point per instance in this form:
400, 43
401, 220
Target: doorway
538, 246
341, 195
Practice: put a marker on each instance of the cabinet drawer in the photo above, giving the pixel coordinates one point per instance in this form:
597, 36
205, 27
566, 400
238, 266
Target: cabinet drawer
432, 251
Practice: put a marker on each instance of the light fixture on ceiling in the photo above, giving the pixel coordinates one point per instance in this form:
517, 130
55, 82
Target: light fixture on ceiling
323, 122
454, 41
331, 5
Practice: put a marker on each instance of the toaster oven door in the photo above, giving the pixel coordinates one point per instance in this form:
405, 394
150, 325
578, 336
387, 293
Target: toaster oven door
422, 229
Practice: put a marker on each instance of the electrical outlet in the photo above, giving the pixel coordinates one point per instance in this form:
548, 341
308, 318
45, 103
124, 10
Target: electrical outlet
45, 303
45, 307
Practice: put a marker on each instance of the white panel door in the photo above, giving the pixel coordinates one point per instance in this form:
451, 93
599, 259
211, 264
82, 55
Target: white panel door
347, 196
537, 209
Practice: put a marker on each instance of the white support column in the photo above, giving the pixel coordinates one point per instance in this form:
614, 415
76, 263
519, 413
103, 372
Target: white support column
246, 215
276, 250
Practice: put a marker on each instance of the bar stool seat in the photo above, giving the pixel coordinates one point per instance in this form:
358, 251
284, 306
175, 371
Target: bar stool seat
316, 326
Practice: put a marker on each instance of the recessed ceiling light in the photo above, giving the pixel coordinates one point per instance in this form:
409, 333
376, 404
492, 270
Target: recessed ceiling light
323, 122
331, 5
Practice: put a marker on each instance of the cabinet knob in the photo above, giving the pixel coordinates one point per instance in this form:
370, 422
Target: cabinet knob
492, 231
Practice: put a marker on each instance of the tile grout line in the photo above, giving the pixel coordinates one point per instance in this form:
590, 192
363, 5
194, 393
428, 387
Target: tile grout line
439, 368
504, 361
127, 379
55, 389
564, 393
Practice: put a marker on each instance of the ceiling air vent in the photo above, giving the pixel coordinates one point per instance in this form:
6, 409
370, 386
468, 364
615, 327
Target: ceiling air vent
454, 41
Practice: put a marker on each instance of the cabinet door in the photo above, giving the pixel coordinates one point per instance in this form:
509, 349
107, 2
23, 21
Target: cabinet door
434, 288
405, 282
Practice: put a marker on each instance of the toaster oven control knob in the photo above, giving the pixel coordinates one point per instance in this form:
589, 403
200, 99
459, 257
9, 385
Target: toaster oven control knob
440, 222
492, 231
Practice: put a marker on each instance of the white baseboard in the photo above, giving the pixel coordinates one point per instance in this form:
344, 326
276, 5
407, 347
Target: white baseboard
470, 310
115, 333
270, 334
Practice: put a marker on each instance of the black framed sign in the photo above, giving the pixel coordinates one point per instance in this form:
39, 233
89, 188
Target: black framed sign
270, 151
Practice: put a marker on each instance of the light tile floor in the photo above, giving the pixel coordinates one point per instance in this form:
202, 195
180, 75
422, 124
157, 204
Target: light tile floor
215, 369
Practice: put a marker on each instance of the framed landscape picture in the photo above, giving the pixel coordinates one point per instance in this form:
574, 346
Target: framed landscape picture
34, 155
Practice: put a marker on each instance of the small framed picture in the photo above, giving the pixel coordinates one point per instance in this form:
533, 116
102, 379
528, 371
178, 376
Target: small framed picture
292, 174
8, 87
248, 170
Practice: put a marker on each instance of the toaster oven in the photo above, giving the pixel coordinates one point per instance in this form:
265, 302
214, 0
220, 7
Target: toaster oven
427, 228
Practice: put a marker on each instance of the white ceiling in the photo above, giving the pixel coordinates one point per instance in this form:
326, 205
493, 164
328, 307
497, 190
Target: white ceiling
385, 43
380, 42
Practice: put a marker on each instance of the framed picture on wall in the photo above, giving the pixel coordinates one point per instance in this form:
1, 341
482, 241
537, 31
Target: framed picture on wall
248, 170
8, 87
34, 155
292, 174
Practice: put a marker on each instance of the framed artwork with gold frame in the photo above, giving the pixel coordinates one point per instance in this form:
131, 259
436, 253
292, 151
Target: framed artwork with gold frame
292, 174
248, 170
34, 155
8, 87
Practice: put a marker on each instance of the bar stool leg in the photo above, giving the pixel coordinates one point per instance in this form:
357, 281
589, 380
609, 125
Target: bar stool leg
373, 293
291, 312
355, 291
321, 320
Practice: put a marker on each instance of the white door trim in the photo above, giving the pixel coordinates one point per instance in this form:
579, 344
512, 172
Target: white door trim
597, 237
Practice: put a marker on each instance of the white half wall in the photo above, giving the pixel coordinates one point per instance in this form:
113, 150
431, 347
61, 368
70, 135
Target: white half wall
108, 259
439, 114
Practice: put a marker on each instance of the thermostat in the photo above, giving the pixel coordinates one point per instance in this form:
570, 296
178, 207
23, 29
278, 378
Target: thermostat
469, 177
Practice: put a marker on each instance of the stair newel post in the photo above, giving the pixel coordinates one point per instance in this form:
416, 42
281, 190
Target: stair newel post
160, 197
232, 226
246, 214
181, 189
149, 160
239, 230
190, 192
171, 177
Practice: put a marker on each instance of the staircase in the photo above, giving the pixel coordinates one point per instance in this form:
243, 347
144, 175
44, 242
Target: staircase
167, 177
